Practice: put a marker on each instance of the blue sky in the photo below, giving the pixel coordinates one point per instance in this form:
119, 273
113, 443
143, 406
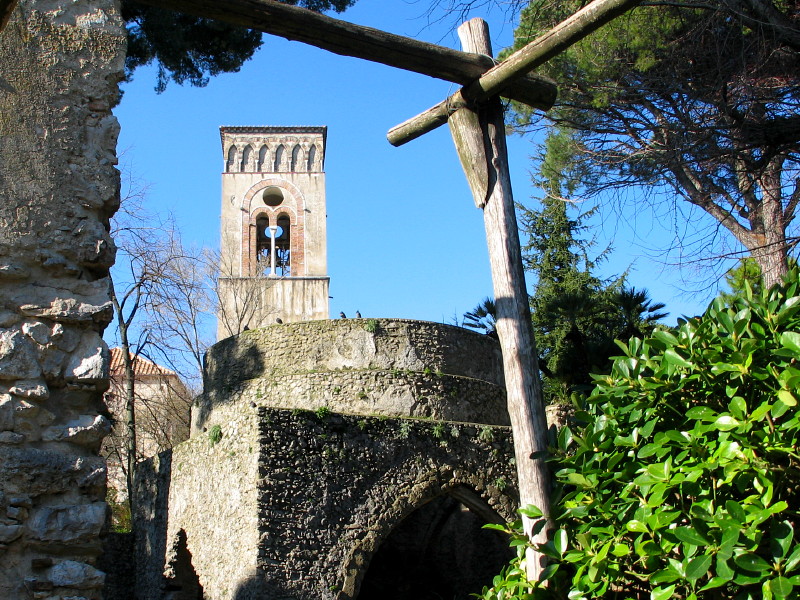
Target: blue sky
404, 237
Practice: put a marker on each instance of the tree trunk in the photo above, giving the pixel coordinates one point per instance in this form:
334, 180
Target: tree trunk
514, 330
130, 401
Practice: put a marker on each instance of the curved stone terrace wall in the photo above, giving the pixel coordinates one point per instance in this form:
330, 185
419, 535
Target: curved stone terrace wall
397, 368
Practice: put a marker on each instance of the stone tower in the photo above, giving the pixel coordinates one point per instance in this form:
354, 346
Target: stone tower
273, 248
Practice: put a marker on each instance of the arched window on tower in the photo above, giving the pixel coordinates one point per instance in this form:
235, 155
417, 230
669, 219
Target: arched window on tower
278, 158
312, 158
295, 158
283, 263
247, 157
229, 164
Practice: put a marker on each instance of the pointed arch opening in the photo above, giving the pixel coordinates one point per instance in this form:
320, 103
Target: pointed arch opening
231, 160
440, 550
312, 158
295, 158
279, 152
263, 158
247, 157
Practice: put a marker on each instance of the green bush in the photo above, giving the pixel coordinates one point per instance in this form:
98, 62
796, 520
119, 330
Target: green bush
682, 478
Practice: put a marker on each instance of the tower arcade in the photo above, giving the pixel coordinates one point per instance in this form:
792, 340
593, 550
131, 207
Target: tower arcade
273, 247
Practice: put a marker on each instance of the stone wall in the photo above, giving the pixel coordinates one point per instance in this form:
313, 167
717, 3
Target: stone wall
359, 366
294, 504
60, 63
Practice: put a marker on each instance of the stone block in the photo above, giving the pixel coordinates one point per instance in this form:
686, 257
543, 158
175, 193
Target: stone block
85, 430
67, 524
30, 388
18, 356
74, 574
37, 331
89, 362
9, 533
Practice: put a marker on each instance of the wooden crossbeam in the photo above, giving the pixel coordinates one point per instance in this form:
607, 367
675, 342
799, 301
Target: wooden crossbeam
348, 39
496, 80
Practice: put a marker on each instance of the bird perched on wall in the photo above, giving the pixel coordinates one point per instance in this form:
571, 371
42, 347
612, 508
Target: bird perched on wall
246, 328
342, 315
358, 314
279, 320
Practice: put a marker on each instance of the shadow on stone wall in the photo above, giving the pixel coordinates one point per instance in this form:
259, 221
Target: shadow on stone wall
181, 582
246, 362
153, 481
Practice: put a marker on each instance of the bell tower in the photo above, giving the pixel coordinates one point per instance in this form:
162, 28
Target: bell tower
273, 247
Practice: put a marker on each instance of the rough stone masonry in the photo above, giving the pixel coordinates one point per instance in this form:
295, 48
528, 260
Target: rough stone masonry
60, 63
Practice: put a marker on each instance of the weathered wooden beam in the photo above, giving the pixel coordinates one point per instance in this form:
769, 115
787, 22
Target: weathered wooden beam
348, 39
520, 364
6, 8
496, 80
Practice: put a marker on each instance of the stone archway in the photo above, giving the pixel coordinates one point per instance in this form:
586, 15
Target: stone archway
439, 551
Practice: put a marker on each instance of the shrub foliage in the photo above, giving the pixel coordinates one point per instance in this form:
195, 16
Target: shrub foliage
680, 478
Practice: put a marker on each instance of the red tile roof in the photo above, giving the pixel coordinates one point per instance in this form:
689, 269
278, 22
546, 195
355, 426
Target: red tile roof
141, 365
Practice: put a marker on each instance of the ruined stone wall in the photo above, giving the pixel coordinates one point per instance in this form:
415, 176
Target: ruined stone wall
293, 504
60, 63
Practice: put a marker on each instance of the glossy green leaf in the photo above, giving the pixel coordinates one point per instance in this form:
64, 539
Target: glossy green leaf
662, 593
726, 423
751, 562
793, 560
560, 541
701, 413
787, 397
791, 340
698, 567
691, 536
715, 582
620, 550
635, 525
676, 359
781, 587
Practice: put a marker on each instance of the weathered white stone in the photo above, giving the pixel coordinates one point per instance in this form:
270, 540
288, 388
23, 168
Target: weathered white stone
18, 357
89, 361
67, 524
85, 430
6, 412
30, 388
37, 331
74, 574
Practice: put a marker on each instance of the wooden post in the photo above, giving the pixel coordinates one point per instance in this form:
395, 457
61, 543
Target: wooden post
523, 388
